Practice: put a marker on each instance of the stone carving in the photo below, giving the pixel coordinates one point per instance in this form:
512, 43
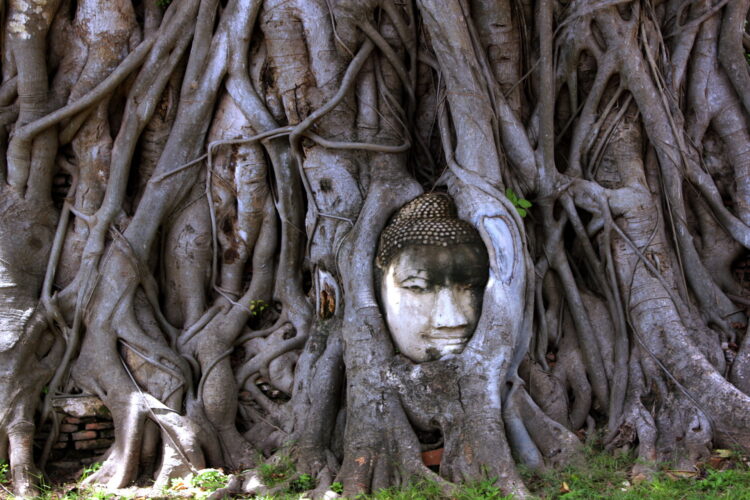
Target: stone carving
434, 268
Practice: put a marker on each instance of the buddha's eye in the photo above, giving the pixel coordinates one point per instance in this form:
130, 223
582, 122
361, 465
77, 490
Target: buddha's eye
414, 284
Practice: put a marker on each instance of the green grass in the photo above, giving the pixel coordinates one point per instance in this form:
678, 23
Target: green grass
420, 490
600, 476
274, 473
428, 490
606, 476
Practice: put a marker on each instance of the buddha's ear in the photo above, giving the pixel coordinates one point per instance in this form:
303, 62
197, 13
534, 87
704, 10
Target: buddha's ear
378, 275
379, 272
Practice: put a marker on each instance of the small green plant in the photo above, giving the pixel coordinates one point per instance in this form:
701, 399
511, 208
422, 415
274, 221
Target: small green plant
88, 471
337, 487
521, 204
4, 472
44, 488
257, 307
73, 494
163, 3
209, 479
303, 482
275, 473
199, 485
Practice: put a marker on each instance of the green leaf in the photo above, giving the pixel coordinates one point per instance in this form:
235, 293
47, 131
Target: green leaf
209, 479
521, 211
524, 203
4, 472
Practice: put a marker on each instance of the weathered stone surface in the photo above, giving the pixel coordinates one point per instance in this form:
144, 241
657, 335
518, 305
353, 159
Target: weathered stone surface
81, 407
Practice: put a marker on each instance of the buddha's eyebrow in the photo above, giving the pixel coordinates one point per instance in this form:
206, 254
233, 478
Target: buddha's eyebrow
410, 273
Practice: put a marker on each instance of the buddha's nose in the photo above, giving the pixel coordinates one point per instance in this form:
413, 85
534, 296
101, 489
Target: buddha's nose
447, 312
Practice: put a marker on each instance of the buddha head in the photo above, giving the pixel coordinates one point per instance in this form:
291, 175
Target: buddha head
434, 268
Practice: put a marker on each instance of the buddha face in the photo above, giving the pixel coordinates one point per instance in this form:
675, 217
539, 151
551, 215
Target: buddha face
432, 296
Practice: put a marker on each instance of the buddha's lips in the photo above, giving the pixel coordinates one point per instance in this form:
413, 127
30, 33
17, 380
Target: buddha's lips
447, 339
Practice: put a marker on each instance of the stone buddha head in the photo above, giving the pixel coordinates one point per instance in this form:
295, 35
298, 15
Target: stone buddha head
434, 268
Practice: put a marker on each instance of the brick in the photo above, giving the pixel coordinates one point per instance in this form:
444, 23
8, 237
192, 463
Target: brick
81, 435
68, 428
432, 458
110, 434
59, 446
93, 444
97, 426
72, 420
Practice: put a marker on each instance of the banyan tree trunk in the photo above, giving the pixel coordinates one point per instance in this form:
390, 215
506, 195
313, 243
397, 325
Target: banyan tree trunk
193, 194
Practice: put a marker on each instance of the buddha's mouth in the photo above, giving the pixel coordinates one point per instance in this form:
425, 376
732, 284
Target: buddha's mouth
442, 343
458, 333
448, 339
